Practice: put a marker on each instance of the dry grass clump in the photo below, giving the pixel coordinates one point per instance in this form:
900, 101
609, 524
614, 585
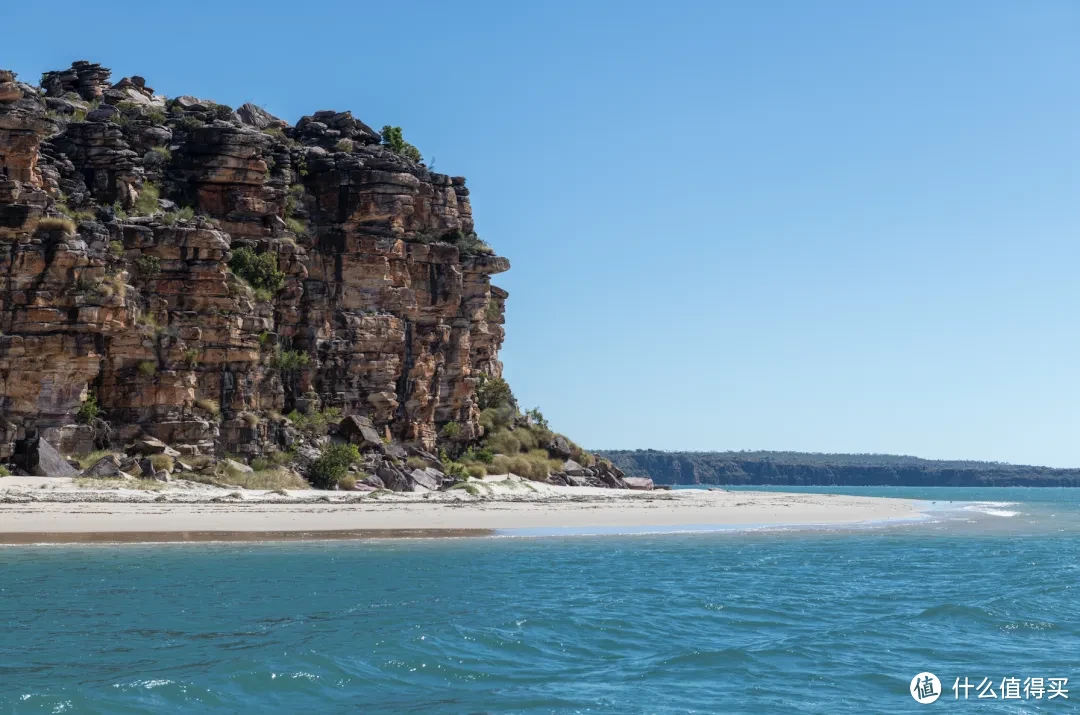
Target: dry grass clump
347, 483
207, 405
51, 223
534, 465
273, 459
148, 485
505, 443
88, 460
275, 478
162, 461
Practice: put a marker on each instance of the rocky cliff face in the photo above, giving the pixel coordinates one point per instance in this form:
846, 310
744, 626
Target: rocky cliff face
120, 212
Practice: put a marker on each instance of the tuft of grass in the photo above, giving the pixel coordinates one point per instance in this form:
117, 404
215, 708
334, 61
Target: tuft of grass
147, 203
250, 419
147, 485
207, 405
163, 152
88, 460
347, 483
344, 145
471, 489
162, 461
415, 463
4, 471
476, 470
116, 248
296, 226
315, 423
191, 357
185, 214
50, 223
273, 478
504, 442
85, 215
148, 368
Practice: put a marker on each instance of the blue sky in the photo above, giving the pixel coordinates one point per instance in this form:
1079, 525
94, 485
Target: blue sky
823, 226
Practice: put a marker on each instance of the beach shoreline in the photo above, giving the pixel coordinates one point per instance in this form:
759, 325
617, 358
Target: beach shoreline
55, 512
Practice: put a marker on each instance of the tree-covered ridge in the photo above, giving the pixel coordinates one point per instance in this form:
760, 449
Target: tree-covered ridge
815, 468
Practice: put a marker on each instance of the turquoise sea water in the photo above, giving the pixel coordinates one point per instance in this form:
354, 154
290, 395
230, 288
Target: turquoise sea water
774, 620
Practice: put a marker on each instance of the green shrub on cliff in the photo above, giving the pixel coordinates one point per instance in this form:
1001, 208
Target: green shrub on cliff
496, 419
89, 410
493, 392
317, 422
286, 360
393, 140
258, 269
296, 226
185, 214
537, 417
332, 465
147, 267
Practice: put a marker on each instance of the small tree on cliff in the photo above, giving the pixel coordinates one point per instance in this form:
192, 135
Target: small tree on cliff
393, 139
493, 392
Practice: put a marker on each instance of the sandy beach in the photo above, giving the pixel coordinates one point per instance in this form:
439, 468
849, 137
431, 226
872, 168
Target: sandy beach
55, 510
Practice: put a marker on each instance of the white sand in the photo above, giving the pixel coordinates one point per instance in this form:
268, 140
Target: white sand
49, 506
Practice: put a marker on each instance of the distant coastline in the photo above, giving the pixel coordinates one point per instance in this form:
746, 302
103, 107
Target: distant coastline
815, 469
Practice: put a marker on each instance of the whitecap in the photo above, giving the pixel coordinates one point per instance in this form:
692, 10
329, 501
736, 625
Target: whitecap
992, 508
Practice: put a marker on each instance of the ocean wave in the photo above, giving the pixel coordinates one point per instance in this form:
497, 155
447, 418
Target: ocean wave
993, 508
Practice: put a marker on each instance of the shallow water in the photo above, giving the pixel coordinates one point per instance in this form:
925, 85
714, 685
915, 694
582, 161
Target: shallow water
823, 620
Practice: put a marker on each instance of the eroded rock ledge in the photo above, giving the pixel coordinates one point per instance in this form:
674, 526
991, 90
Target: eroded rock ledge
120, 211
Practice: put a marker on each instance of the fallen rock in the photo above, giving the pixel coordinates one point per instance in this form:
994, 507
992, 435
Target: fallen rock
106, 467
394, 451
255, 116
560, 447
573, 469
152, 445
373, 481
360, 431
237, 466
425, 479
394, 479
429, 459
39, 459
640, 483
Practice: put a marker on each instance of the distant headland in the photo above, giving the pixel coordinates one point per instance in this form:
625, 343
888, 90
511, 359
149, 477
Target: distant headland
817, 469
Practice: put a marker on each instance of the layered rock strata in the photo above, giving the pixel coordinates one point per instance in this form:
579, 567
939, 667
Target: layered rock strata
120, 211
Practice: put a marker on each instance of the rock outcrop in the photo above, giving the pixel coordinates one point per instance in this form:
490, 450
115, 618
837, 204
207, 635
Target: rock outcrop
122, 312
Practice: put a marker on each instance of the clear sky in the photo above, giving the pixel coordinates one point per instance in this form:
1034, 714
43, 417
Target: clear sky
835, 225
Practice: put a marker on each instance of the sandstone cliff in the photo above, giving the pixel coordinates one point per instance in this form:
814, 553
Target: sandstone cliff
121, 212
